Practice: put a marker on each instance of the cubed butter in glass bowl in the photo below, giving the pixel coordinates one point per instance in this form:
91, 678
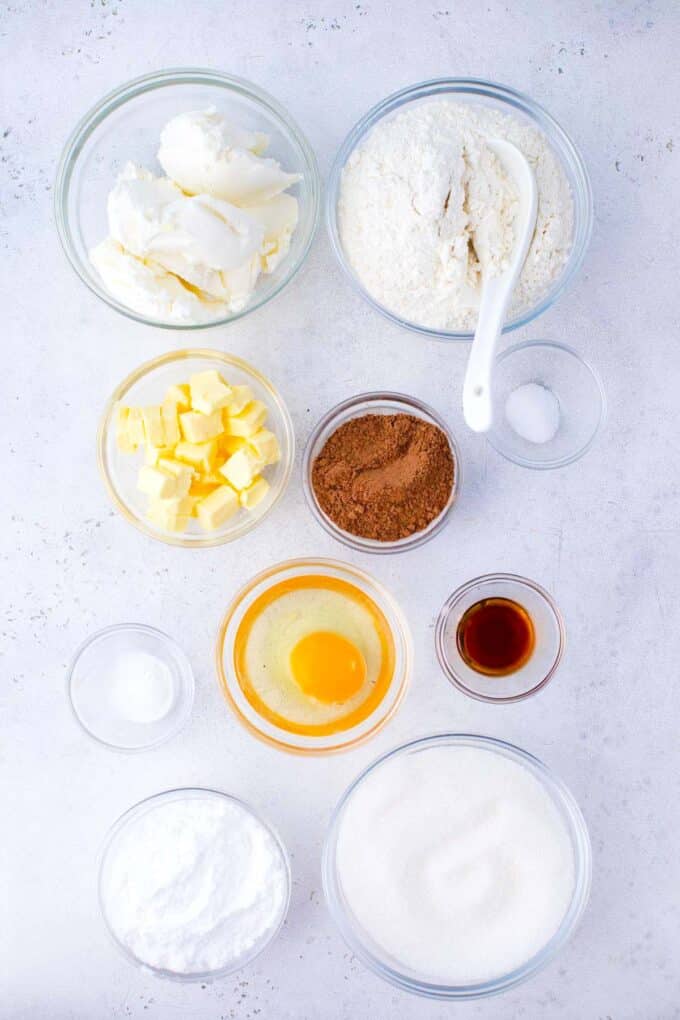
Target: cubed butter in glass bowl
217, 520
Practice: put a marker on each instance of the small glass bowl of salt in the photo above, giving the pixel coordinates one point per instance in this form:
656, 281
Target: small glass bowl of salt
548, 404
131, 687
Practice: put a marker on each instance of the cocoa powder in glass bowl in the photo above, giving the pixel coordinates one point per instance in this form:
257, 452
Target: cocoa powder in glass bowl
384, 476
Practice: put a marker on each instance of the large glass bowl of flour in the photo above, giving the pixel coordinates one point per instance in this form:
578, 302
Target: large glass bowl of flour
392, 219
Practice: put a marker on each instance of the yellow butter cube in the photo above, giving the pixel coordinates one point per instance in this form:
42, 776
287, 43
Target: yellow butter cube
183, 474
152, 454
170, 514
266, 445
181, 395
124, 441
200, 487
241, 396
156, 483
230, 444
198, 427
135, 426
212, 477
254, 494
170, 420
153, 425
217, 508
241, 468
209, 392
248, 422
202, 456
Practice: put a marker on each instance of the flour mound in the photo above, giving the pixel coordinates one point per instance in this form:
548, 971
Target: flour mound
426, 210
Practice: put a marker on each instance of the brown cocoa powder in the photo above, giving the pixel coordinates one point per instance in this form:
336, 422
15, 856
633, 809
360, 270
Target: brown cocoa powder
384, 476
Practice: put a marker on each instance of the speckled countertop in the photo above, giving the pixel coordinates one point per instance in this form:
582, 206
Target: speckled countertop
602, 535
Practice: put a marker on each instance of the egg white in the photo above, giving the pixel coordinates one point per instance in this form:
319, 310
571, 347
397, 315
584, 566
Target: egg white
277, 630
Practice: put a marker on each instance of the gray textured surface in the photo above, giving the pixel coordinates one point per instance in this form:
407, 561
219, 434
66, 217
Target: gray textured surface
603, 534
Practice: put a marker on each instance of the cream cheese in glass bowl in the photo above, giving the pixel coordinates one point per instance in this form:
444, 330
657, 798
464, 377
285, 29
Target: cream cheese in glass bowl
211, 230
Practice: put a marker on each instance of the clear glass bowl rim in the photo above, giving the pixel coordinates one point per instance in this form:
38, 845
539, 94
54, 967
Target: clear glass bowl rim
494, 90
117, 97
403, 636
186, 668
199, 542
356, 542
179, 793
445, 612
583, 864
573, 457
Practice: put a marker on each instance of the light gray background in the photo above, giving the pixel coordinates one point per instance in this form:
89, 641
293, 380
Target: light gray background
602, 534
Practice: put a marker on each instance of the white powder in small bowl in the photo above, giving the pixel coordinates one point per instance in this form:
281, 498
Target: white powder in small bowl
194, 884
142, 689
533, 412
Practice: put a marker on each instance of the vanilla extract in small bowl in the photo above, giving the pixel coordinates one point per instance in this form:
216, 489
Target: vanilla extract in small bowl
496, 636
499, 638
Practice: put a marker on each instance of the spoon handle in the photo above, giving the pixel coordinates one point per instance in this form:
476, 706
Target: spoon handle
477, 405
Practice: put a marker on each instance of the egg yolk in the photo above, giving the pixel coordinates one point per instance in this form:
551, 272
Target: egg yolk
327, 666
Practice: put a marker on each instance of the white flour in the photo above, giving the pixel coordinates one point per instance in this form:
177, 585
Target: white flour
426, 208
194, 885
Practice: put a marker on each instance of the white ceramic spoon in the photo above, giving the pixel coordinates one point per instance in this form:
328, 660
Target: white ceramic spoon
497, 291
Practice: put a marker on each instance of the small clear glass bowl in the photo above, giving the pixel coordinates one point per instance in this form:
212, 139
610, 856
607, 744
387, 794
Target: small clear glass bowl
549, 637
267, 731
129, 818
93, 702
371, 954
147, 385
579, 391
479, 92
356, 407
126, 125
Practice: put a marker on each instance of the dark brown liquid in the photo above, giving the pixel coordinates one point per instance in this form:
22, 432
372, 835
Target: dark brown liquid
495, 637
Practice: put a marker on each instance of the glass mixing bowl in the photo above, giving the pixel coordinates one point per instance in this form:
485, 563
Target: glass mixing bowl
92, 687
268, 731
126, 125
579, 392
147, 385
357, 407
505, 100
546, 655
359, 941
107, 856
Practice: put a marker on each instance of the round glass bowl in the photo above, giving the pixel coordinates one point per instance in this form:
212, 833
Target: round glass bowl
549, 637
107, 703
579, 392
375, 957
122, 828
505, 100
126, 125
228, 670
357, 407
147, 385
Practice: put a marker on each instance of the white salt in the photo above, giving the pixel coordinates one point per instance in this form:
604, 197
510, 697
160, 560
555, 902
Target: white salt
533, 412
141, 687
